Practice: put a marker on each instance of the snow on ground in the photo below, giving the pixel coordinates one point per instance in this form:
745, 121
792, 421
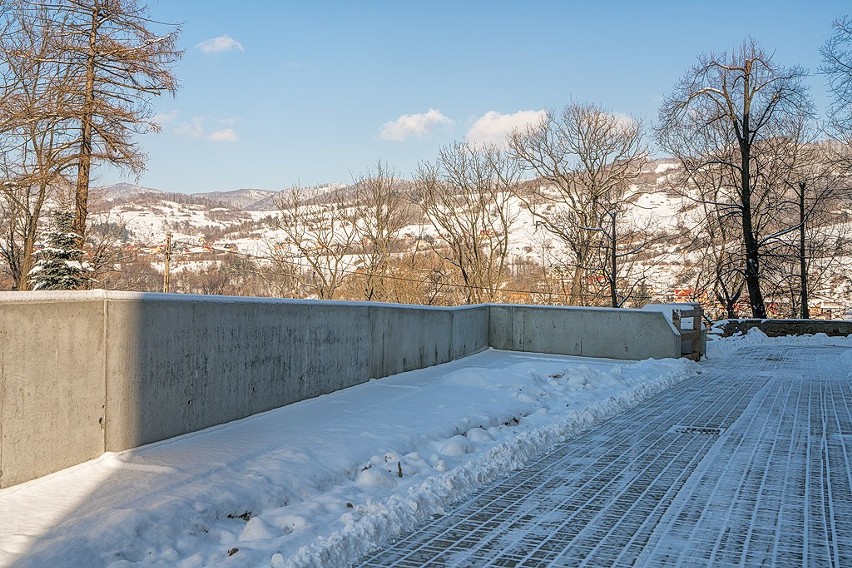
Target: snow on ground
718, 347
320, 482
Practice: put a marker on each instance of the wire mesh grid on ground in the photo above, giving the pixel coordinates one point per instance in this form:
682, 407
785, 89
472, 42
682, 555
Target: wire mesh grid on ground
747, 465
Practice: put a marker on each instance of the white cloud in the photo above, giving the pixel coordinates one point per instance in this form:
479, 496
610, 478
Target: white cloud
163, 118
624, 120
199, 127
192, 129
218, 44
409, 125
224, 135
493, 127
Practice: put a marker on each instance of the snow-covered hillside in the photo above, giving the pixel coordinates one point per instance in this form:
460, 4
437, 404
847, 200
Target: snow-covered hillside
241, 221
150, 213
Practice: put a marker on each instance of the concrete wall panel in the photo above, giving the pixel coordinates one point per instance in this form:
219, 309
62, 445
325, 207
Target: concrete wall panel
780, 328
177, 367
590, 332
51, 386
628, 334
469, 330
406, 338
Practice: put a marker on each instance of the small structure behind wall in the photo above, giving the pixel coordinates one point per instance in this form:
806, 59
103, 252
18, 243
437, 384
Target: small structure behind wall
687, 318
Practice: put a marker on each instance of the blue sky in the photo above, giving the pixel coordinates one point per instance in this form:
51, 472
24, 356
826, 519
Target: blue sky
277, 92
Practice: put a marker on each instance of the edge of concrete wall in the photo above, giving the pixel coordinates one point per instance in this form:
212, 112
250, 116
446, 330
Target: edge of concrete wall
51, 396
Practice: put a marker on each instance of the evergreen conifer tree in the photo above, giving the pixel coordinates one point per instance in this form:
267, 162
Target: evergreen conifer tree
59, 264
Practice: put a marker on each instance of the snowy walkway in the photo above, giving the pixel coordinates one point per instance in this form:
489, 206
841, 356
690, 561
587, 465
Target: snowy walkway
747, 466
321, 482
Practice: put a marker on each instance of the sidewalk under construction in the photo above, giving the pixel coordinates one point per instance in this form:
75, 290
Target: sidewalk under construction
750, 465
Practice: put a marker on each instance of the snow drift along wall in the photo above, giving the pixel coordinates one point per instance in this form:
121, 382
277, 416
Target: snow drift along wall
86, 372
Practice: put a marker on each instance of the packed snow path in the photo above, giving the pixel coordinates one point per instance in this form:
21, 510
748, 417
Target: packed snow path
749, 465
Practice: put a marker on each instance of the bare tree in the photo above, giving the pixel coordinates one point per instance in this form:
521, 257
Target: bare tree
721, 109
467, 195
719, 251
76, 76
813, 193
106, 241
35, 135
837, 65
623, 235
585, 157
118, 62
382, 210
317, 236
548, 282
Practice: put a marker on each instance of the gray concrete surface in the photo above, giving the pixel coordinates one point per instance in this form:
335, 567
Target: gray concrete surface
84, 372
777, 328
746, 465
195, 364
52, 387
589, 332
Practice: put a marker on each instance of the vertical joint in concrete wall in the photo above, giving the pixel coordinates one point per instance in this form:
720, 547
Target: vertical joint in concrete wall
2, 404
105, 374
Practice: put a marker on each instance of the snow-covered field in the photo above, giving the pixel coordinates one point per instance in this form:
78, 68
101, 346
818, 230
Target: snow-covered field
323, 481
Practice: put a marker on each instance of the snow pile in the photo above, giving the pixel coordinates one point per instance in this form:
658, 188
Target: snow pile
321, 482
718, 347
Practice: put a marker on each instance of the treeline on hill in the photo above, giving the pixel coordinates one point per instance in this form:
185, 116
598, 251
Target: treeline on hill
767, 184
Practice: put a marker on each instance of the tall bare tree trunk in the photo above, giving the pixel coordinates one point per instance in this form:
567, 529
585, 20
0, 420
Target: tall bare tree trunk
85, 162
752, 251
803, 261
577, 286
613, 279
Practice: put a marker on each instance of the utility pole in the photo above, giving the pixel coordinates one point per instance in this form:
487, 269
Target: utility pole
168, 258
803, 263
613, 282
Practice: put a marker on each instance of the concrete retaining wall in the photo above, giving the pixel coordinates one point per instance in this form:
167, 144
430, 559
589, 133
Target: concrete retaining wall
778, 328
89, 372
52, 388
590, 332
86, 372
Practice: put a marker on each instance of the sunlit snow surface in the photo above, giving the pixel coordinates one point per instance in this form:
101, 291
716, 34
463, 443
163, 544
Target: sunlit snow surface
747, 464
318, 482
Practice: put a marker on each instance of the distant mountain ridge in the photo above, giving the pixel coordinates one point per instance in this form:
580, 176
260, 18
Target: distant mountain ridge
123, 191
245, 199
